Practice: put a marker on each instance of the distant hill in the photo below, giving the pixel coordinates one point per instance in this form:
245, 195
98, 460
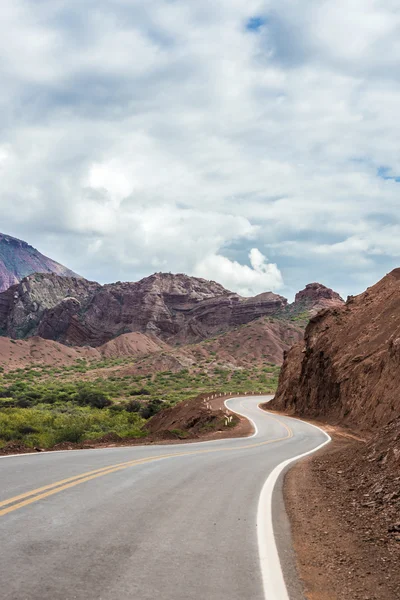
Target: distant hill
18, 259
174, 308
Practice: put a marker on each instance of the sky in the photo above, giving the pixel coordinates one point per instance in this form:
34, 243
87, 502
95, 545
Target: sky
255, 143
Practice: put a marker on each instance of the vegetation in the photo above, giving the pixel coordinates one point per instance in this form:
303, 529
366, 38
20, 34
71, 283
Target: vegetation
45, 406
46, 426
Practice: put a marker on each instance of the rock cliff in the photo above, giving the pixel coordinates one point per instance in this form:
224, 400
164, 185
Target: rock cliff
172, 307
347, 369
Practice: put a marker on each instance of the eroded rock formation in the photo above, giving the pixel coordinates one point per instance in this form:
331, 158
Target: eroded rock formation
348, 367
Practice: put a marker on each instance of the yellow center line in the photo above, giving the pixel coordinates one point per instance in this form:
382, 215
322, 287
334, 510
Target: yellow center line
63, 481
54, 488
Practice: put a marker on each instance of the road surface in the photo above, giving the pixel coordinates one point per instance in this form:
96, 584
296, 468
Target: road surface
171, 522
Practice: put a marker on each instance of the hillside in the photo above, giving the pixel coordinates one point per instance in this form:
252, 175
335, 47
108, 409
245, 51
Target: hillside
255, 345
176, 308
347, 368
18, 259
344, 502
36, 351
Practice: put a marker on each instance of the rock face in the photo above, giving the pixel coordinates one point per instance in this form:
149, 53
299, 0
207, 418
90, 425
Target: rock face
316, 297
172, 307
41, 300
18, 259
348, 367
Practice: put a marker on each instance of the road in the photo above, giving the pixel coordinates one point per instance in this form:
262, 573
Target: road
165, 522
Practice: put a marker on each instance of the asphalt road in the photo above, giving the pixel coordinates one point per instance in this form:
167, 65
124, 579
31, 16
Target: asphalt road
172, 522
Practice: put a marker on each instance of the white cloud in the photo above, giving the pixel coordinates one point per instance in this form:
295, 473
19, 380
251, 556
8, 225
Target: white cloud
261, 276
157, 134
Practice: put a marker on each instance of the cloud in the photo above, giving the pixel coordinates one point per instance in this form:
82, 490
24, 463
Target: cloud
179, 135
247, 280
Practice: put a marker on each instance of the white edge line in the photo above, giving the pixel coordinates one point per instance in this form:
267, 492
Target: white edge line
243, 415
45, 452
271, 568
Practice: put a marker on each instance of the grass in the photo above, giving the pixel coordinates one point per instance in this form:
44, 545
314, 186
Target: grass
45, 406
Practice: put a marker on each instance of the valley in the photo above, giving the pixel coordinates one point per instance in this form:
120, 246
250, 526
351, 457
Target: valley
89, 366
81, 363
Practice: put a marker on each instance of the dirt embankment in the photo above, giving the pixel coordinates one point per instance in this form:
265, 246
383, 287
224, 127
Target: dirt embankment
345, 503
200, 417
347, 369
344, 508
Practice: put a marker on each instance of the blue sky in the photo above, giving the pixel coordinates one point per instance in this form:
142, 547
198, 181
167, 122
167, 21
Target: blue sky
255, 143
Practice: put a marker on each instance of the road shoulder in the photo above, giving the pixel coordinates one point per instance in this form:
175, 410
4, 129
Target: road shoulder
341, 539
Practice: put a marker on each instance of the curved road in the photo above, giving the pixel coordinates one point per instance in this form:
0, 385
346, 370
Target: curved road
172, 522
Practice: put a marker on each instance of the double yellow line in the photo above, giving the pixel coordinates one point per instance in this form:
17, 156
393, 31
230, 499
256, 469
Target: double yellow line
12, 504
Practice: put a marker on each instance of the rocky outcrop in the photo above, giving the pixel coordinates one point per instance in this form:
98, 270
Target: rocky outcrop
347, 369
176, 308
18, 259
316, 297
42, 300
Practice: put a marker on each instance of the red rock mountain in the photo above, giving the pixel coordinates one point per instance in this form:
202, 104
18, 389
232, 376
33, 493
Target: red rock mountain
175, 308
18, 259
316, 297
348, 367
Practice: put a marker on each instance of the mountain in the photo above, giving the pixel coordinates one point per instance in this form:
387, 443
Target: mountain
175, 308
347, 368
172, 307
316, 297
18, 259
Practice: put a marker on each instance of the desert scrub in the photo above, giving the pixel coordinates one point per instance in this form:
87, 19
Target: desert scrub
46, 426
43, 406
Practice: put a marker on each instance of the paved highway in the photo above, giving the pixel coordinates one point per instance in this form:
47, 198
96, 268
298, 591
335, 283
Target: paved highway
172, 522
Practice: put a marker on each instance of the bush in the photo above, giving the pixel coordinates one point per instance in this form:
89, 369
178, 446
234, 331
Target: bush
151, 408
27, 429
93, 397
133, 406
116, 408
23, 402
140, 392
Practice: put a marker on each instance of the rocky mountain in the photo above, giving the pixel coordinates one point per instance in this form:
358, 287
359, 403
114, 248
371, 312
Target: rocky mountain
18, 259
347, 369
174, 308
78, 312
316, 297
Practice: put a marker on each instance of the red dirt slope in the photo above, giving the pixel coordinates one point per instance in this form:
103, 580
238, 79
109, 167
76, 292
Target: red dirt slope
345, 503
16, 354
348, 368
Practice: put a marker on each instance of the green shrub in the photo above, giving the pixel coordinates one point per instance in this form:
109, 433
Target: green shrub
139, 392
92, 397
151, 408
134, 406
